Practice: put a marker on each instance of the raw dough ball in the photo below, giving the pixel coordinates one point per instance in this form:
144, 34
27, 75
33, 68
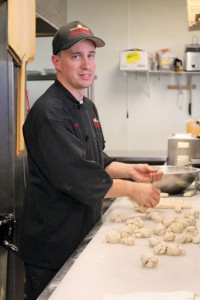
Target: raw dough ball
184, 238
130, 241
167, 221
184, 222
174, 249
149, 260
138, 222
160, 248
196, 239
154, 241
113, 237
132, 227
141, 209
169, 237
189, 193
125, 232
164, 195
191, 230
118, 218
191, 220
155, 216
143, 232
177, 227
130, 221
191, 213
159, 229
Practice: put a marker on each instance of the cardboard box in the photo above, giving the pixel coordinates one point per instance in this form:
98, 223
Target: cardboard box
136, 60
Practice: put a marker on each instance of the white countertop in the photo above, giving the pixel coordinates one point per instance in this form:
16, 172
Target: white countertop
105, 269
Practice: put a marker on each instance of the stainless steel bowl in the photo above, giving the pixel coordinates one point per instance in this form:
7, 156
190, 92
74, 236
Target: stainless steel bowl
176, 178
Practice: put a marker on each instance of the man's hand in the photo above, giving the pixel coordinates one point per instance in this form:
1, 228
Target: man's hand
145, 194
145, 173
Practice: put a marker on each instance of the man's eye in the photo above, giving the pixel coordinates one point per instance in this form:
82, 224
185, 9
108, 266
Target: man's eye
91, 55
75, 57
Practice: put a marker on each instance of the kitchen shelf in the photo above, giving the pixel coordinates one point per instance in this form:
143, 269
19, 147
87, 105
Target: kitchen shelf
38, 77
31, 77
163, 72
177, 72
52, 76
159, 73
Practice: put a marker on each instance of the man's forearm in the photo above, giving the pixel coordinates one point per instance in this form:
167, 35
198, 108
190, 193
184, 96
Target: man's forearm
119, 188
119, 170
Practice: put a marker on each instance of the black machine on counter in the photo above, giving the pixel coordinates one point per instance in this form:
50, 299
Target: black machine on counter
183, 150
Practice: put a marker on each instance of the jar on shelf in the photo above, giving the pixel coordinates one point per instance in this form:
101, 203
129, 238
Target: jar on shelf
193, 126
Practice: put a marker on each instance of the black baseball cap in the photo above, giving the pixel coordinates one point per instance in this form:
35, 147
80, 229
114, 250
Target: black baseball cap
71, 33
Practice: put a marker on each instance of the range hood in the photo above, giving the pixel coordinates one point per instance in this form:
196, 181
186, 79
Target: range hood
50, 15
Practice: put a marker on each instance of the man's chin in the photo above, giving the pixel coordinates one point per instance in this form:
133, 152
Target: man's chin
86, 85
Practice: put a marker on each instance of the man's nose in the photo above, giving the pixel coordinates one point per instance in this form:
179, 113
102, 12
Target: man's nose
85, 62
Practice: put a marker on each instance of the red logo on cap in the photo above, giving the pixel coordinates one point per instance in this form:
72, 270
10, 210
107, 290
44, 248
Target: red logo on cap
80, 29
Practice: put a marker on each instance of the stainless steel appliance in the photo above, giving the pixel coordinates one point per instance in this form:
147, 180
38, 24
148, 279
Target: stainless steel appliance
12, 166
183, 149
192, 57
11, 173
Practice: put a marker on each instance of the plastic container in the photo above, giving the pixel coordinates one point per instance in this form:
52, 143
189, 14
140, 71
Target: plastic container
193, 127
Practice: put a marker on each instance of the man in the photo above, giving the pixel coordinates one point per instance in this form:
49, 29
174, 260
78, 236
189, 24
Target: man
69, 174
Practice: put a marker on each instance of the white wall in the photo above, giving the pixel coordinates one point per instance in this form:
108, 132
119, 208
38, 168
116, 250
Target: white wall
149, 25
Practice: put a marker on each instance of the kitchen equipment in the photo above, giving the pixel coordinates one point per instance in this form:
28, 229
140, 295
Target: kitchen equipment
6, 231
189, 83
183, 149
12, 174
192, 56
176, 178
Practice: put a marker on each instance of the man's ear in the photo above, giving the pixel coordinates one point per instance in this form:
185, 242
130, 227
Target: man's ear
56, 61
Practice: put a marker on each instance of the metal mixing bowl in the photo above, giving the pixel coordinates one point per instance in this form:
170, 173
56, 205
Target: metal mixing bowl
176, 178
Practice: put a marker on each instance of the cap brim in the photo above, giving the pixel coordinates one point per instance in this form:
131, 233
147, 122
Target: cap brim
97, 41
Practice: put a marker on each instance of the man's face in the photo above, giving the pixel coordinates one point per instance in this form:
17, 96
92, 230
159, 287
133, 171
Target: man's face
76, 66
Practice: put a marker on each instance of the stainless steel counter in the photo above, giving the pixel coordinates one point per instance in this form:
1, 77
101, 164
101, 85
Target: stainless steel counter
98, 269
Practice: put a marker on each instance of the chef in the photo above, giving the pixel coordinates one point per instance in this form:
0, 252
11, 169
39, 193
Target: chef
69, 174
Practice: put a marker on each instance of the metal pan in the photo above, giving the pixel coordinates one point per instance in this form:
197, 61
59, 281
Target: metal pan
176, 178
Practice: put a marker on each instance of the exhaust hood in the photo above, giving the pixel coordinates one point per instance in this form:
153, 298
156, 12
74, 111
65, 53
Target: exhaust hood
50, 15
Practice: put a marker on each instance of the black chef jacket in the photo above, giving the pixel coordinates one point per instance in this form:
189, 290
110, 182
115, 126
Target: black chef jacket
66, 180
